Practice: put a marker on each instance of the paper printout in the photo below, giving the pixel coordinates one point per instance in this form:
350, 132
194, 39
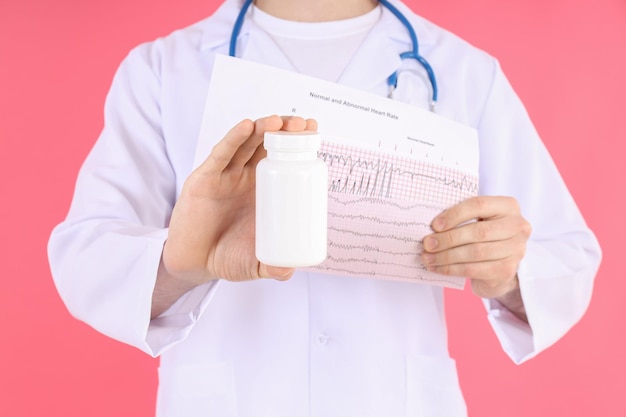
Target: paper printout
392, 166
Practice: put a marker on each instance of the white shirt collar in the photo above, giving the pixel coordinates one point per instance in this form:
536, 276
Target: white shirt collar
217, 29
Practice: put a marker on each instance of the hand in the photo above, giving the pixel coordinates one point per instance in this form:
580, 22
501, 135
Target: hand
211, 232
482, 238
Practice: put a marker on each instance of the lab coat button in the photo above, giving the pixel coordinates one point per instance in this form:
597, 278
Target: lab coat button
322, 339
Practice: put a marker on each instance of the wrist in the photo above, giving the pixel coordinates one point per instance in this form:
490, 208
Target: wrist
512, 300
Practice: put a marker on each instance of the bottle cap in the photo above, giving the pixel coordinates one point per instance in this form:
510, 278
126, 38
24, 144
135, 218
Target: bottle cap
292, 141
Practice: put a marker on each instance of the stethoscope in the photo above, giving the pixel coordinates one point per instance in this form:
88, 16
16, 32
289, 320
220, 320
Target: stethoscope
392, 81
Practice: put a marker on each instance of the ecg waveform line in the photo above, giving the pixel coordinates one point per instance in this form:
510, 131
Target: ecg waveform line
378, 202
369, 248
453, 282
379, 220
369, 261
370, 175
385, 168
398, 238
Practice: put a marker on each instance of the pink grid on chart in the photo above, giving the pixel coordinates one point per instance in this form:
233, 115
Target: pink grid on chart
380, 207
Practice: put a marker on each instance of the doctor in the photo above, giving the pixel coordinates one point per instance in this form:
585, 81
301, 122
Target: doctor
162, 258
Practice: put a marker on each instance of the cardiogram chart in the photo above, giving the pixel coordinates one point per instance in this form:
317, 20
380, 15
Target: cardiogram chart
392, 166
380, 206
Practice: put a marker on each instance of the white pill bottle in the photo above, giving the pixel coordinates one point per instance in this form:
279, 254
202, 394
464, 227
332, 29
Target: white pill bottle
291, 201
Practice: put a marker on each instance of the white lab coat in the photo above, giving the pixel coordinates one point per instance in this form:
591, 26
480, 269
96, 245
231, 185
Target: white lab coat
316, 345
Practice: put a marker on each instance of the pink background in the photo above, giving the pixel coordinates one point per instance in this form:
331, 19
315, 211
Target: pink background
567, 60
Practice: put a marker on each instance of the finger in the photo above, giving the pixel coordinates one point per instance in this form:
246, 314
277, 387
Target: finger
267, 124
481, 231
501, 269
278, 273
311, 125
291, 124
224, 151
294, 123
481, 207
248, 148
259, 154
477, 252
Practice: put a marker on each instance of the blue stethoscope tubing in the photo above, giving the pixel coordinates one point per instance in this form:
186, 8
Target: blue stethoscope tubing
392, 81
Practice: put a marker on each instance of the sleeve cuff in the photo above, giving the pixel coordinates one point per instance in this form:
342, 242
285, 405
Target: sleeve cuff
176, 322
516, 336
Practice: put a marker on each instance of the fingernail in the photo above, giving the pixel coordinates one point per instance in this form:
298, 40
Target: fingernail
439, 224
428, 258
430, 243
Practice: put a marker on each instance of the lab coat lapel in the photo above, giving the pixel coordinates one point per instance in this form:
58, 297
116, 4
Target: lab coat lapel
379, 57
253, 43
376, 59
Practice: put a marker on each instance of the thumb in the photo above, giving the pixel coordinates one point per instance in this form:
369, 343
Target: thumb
276, 272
